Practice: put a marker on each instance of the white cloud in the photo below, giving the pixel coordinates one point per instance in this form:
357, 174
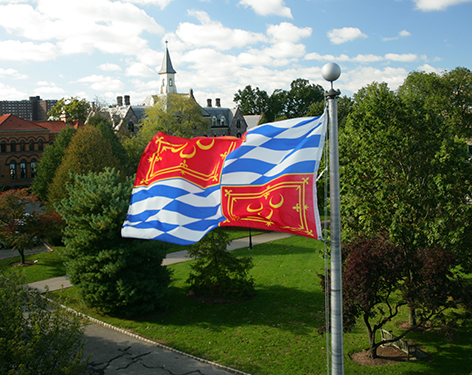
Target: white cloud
160, 3
346, 34
401, 34
429, 69
406, 57
140, 70
268, 7
102, 83
14, 50
12, 73
287, 32
429, 5
109, 67
354, 79
45, 87
11, 93
214, 34
110, 27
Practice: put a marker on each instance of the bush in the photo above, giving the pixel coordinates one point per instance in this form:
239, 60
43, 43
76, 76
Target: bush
216, 272
34, 340
114, 275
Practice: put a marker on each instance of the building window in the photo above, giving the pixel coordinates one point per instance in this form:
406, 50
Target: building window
40, 145
12, 146
22, 146
33, 168
222, 121
31, 145
238, 123
23, 169
213, 121
3, 147
12, 170
131, 126
170, 81
238, 135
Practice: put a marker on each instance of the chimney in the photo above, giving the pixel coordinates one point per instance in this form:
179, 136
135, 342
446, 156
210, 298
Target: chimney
218, 102
127, 100
208, 102
119, 101
64, 117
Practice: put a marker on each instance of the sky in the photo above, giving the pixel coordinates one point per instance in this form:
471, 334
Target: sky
101, 49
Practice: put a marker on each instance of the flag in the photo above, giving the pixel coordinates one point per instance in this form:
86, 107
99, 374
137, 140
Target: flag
186, 187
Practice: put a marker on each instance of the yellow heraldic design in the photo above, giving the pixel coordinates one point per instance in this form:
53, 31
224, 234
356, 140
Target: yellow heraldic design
187, 160
286, 190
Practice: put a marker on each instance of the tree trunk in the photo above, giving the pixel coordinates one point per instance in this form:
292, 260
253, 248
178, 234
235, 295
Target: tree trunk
371, 335
412, 317
22, 255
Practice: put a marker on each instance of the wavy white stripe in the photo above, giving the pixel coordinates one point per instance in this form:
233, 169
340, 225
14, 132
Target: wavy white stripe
197, 201
148, 233
151, 203
239, 178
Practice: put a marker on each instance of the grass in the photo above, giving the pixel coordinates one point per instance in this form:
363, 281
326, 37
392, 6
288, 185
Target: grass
49, 265
276, 332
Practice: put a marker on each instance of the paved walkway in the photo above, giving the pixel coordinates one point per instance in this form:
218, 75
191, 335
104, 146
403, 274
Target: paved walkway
115, 351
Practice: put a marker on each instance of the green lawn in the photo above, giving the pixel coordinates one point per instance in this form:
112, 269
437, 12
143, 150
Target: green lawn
276, 332
49, 265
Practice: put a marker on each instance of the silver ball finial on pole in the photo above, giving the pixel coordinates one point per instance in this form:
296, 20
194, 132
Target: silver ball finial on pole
331, 73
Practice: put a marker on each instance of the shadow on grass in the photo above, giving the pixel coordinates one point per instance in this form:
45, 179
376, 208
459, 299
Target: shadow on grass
297, 311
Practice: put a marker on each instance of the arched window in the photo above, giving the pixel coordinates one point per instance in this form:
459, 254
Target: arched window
3, 147
12, 170
238, 123
40, 145
222, 121
170, 81
238, 135
22, 146
131, 126
23, 169
33, 168
31, 145
12, 146
213, 121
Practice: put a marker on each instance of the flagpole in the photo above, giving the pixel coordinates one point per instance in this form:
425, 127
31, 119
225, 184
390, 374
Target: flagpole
331, 73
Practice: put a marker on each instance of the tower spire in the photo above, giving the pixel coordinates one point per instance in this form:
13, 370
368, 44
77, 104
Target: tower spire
167, 73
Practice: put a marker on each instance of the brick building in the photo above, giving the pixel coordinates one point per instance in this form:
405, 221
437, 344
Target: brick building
34, 109
22, 144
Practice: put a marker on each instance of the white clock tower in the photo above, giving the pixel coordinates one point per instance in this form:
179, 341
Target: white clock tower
167, 74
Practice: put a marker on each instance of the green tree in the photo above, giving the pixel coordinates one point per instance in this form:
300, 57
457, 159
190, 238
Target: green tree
404, 174
252, 101
216, 273
74, 107
448, 94
50, 162
301, 96
35, 339
114, 275
88, 151
19, 230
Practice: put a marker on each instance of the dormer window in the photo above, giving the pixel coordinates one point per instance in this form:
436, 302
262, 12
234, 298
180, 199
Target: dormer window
213, 121
222, 121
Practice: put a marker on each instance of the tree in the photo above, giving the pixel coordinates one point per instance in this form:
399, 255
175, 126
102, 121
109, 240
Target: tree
301, 96
177, 115
216, 273
448, 94
88, 151
405, 175
375, 286
35, 339
114, 275
50, 162
74, 108
252, 101
19, 230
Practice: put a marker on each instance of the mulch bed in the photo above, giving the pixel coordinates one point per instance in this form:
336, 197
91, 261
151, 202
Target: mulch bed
387, 355
26, 264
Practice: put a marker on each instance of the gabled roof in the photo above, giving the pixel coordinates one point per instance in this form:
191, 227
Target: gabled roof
57, 126
166, 66
12, 122
252, 120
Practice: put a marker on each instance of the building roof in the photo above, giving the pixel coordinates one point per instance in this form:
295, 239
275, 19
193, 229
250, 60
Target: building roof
166, 66
12, 122
57, 126
252, 120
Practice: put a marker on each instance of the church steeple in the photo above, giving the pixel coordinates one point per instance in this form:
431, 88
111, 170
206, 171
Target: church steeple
167, 73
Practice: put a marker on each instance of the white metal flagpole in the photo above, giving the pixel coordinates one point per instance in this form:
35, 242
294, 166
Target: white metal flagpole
331, 73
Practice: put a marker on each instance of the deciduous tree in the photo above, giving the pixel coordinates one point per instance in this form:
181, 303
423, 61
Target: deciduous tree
74, 107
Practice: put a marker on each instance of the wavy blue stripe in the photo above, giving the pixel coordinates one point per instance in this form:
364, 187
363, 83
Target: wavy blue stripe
159, 190
154, 224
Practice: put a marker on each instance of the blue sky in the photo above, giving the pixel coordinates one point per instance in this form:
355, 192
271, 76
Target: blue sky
104, 49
